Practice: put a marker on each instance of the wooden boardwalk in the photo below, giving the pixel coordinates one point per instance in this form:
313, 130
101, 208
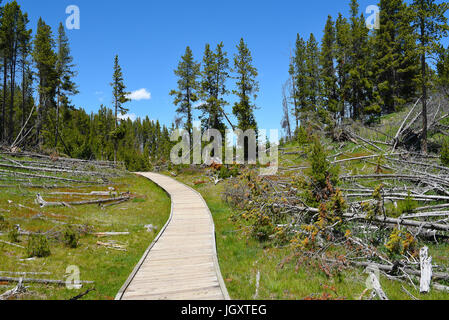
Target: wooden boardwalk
181, 263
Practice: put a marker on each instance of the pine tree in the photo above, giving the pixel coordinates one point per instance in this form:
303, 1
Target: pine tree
430, 25
298, 76
313, 82
329, 91
247, 88
360, 79
9, 38
45, 60
188, 72
343, 52
120, 97
396, 60
213, 87
24, 47
65, 73
443, 71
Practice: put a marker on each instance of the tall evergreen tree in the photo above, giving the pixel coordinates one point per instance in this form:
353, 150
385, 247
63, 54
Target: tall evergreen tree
328, 73
9, 33
213, 87
298, 77
396, 62
443, 71
65, 74
430, 25
313, 80
24, 48
188, 72
120, 97
45, 60
343, 53
358, 61
247, 87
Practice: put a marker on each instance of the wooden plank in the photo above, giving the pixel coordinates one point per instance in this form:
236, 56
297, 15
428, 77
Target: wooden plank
182, 263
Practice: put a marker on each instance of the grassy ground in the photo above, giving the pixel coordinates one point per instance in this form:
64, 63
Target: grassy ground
108, 268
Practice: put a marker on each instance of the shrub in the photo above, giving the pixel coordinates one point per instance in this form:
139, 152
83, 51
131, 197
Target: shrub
4, 225
401, 243
13, 235
405, 206
263, 227
226, 173
38, 246
323, 177
302, 136
394, 244
70, 237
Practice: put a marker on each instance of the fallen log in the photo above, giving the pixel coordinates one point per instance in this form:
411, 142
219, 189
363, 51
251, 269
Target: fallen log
406, 223
390, 269
396, 177
42, 281
111, 245
401, 195
75, 172
48, 177
93, 193
25, 273
436, 207
425, 215
43, 203
12, 244
109, 234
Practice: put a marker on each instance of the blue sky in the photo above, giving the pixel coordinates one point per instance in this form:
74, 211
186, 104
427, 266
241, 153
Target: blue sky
150, 37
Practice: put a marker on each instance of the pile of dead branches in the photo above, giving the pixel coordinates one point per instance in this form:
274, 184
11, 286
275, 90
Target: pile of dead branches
37, 170
384, 207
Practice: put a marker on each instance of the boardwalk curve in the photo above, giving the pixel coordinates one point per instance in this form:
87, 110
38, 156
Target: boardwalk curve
181, 263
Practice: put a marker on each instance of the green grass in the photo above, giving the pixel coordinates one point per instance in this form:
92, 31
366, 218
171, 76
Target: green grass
108, 268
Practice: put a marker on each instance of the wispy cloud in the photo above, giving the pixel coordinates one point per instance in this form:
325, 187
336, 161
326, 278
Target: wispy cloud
100, 96
127, 116
141, 94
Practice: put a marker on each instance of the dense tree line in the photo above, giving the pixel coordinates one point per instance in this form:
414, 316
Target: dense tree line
42, 66
361, 74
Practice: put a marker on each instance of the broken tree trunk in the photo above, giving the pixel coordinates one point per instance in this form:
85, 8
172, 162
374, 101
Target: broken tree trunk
374, 283
19, 289
426, 270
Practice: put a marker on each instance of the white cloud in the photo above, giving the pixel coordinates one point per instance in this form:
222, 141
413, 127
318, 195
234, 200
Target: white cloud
131, 116
141, 94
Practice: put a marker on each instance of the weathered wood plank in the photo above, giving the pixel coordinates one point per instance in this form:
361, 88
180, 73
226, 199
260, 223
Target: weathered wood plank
182, 263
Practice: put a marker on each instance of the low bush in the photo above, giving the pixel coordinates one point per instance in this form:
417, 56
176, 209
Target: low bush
38, 246
13, 235
71, 237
